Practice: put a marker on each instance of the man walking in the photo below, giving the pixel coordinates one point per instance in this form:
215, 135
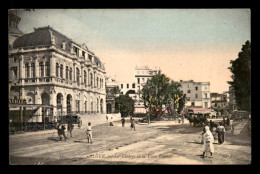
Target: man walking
123, 122
70, 127
88, 131
133, 124
221, 132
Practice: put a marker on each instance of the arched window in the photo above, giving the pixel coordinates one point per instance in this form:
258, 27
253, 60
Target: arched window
77, 75
70, 73
67, 72
100, 83
27, 70
41, 69
101, 106
32, 70
97, 82
47, 68
61, 71
57, 70
91, 80
85, 78
97, 105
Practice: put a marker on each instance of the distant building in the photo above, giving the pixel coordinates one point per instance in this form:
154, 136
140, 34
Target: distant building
219, 101
141, 76
197, 93
13, 30
110, 95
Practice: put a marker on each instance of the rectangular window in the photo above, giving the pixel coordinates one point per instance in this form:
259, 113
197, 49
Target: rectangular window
133, 85
143, 79
206, 95
192, 103
138, 80
122, 85
196, 88
188, 91
196, 95
127, 85
206, 104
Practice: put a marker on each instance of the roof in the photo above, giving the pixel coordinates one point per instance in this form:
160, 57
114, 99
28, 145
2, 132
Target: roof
45, 36
40, 37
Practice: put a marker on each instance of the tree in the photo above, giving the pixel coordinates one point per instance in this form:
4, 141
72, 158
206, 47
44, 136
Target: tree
158, 91
124, 104
241, 76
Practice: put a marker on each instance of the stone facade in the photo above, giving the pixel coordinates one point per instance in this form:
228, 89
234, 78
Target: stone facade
46, 67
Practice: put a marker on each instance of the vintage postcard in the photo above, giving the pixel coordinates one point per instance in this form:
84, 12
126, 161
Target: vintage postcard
129, 86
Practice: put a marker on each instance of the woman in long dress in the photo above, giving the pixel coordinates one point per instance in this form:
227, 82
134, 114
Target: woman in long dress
208, 140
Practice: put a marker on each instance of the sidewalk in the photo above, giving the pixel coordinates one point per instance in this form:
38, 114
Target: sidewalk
239, 126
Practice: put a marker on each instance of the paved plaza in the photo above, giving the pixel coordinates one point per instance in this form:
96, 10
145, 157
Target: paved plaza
161, 142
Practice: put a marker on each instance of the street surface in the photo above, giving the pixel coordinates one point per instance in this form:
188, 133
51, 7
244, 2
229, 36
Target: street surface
161, 142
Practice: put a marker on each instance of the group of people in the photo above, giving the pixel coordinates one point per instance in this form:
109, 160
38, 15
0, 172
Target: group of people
209, 135
132, 122
61, 130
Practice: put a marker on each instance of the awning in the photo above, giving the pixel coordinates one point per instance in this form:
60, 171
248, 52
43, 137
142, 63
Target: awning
31, 105
139, 111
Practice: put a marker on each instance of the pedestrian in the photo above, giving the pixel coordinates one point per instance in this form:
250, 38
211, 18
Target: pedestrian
208, 140
228, 122
221, 132
70, 127
232, 126
179, 119
79, 123
133, 124
123, 122
88, 131
106, 117
182, 119
61, 131
111, 122
214, 133
211, 125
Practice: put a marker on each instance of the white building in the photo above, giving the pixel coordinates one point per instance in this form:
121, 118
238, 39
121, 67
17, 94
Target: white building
197, 93
48, 68
141, 76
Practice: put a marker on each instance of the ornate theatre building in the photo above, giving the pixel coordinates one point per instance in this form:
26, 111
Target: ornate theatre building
55, 76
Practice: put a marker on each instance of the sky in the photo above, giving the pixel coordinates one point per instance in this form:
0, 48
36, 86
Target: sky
187, 44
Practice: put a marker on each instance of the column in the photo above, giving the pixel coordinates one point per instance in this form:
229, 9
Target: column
53, 103
82, 74
38, 101
64, 104
74, 72
52, 65
21, 69
94, 79
36, 68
